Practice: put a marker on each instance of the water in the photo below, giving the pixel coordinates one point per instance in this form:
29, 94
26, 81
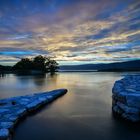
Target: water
82, 114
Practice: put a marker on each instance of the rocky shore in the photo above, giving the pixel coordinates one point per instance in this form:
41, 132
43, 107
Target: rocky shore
126, 98
12, 110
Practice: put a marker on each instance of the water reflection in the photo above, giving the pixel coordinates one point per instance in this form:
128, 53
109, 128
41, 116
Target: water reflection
38, 80
84, 113
2, 75
15, 85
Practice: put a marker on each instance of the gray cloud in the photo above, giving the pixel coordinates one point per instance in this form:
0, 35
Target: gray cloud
101, 31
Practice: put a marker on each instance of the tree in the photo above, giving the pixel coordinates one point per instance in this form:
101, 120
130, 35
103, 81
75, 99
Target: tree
23, 64
39, 63
52, 65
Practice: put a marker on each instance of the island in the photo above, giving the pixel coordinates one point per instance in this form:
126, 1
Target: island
36, 65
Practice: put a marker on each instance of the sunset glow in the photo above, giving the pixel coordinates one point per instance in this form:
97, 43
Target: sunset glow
70, 31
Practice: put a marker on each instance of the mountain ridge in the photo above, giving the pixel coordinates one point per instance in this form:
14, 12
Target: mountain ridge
133, 65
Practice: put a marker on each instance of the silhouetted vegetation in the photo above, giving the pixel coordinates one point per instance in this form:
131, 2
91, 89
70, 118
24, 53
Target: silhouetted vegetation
39, 64
4, 69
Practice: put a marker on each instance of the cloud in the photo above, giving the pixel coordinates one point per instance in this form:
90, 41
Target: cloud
91, 30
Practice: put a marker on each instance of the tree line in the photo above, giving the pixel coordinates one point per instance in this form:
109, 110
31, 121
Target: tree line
38, 64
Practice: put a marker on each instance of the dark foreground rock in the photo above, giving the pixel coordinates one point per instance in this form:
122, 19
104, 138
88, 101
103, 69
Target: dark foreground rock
126, 98
14, 109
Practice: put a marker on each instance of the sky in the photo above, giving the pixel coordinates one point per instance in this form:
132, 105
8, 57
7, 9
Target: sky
70, 31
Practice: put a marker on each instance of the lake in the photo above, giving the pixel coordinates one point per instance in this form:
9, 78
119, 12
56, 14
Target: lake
84, 113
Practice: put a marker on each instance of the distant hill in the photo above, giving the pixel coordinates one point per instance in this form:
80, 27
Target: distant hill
118, 66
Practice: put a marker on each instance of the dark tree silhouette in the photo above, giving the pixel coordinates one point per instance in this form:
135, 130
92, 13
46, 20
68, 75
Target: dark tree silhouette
23, 64
52, 65
39, 63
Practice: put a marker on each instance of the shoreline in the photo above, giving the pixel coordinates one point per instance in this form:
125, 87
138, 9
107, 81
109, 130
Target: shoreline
126, 98
13, 109
69, 71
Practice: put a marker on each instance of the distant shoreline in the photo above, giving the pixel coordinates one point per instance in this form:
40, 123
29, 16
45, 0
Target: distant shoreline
82, 71
78, 71
128, 66
98, 71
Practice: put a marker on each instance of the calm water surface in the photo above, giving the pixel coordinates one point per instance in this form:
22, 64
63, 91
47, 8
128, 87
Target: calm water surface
84, 113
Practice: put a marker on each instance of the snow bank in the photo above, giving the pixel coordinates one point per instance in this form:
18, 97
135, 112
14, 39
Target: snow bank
13, 109
126, 98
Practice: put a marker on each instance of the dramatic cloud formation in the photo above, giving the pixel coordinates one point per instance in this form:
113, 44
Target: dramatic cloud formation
70, 31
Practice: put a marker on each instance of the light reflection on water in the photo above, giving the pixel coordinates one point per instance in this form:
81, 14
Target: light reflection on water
12, 85
84, 113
